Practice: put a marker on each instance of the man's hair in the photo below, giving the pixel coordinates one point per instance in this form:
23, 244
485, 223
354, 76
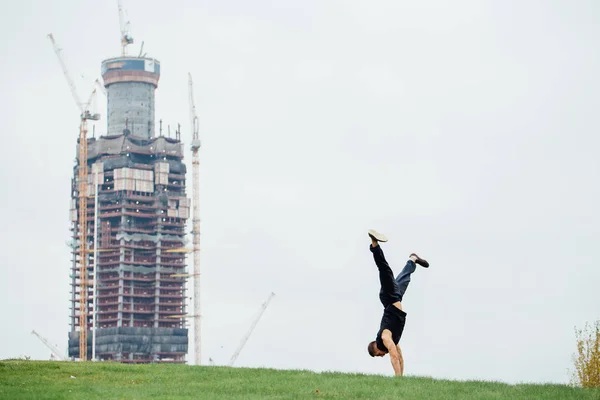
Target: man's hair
371, 348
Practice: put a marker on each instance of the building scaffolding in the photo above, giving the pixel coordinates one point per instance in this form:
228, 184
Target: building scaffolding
129, 221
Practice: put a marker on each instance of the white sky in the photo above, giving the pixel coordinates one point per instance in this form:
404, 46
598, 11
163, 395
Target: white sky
466, 131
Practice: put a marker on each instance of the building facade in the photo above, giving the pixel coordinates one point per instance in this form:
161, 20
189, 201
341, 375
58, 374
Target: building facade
139, 182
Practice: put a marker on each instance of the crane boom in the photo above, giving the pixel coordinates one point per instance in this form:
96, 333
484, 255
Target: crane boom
70, 82
195, 220
245, 338
100, 86
53, 349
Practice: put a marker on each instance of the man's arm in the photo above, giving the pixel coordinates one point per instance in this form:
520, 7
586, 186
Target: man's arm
395, 356
401, 359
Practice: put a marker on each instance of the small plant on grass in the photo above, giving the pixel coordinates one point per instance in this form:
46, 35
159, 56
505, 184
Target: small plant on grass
587, 359
20, 358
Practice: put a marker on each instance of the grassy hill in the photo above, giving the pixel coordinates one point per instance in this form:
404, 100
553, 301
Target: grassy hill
53, 380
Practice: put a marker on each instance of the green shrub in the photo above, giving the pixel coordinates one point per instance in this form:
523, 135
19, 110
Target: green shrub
587, 359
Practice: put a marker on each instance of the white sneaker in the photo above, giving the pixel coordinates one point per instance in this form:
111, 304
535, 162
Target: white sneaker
380, 237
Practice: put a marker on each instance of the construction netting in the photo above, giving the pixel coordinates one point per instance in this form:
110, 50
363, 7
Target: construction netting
133, 340
113, 145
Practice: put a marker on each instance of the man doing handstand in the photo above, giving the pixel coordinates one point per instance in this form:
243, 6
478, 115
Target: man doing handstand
392, 290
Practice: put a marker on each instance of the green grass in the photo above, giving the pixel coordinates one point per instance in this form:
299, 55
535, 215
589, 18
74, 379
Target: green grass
52, 380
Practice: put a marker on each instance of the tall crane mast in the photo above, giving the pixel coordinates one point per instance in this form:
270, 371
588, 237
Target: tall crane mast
195, 220
126, 38
82, 189
247, 336
53, 349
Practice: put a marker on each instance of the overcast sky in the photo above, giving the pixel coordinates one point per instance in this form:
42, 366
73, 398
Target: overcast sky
466, 131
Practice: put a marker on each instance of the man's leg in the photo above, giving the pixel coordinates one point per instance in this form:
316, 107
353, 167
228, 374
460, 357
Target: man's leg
389, 288
403, 278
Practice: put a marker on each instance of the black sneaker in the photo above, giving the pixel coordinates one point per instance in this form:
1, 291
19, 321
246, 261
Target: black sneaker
420, 261
377, 236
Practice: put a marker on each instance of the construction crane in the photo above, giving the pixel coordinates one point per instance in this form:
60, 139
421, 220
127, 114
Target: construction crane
142, 54
126, 38
52, 348
195, 219
82, 189
100, 86
245, 338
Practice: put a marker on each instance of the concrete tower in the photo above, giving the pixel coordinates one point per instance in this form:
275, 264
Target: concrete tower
130, 83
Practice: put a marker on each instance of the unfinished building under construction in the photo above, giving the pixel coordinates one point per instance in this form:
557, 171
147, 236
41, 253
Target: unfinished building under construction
136, 216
